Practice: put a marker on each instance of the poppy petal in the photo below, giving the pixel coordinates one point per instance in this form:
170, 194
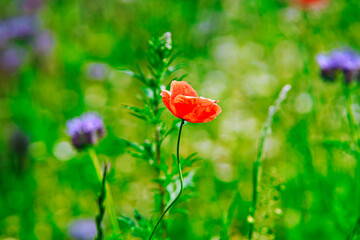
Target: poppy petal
182, 88
184, 105
196, 109
206, 110
166, 100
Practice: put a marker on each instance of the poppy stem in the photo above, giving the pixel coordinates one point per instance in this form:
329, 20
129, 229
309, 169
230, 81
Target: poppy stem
181, 181
108, 200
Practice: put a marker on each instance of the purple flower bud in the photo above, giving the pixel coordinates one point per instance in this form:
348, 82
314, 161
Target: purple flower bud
83, 229
44, 42
20, 27
97, 71
85, 130
324, 61
328, 70
345, 60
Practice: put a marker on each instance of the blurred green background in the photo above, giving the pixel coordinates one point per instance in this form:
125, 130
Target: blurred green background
239, 52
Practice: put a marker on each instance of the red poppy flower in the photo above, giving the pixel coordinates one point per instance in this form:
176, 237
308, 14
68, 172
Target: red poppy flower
183, 101
312, 4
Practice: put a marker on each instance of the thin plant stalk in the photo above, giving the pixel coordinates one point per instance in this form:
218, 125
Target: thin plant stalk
354, 130
155, 89
181, 182
158, 161
257, 167
99, 218
108, 200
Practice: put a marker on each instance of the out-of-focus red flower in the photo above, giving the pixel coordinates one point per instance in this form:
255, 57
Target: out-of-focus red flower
183, 101
312, 4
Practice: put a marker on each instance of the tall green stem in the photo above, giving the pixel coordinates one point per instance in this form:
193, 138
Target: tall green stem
157, 136
256, 180
99, 218
354, 129
257, 163
109, 200
181, 182
158, 161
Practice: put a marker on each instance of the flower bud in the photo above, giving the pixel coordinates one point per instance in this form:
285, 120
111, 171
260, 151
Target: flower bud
346, 61
85, 130
166, 41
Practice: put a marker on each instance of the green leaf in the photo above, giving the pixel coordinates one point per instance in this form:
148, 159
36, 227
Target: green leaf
144, 151
141, 78
139, 226
182, 77
174, 187
229, 216
141, 74
173, 57
342, 145
141, 113
127, 222
153, 72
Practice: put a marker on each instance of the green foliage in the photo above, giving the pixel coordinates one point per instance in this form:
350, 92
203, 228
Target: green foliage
224, 234
138, 226
239, 52
160, 58
143, 151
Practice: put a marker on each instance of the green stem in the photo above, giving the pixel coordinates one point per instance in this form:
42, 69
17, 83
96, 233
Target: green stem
181, 182
256, 181
354, 129
99, 218
158, 162
257, 163
109, 200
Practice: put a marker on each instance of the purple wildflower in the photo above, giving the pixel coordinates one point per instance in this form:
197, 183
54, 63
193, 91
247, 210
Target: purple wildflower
345, 60
44, 42
83, 229
328, 69
97, 71
85, 130
18, 27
